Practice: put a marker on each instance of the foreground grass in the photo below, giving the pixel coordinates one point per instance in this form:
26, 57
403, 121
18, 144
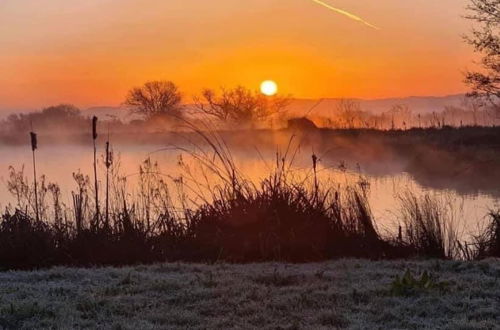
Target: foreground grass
353, 294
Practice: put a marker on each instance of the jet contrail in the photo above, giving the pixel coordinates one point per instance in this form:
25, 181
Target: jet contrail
345, 13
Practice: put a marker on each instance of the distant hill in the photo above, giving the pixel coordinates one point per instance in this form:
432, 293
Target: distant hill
417, 104
300, 107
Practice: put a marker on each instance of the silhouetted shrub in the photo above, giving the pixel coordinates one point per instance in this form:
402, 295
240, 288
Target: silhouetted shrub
25, 242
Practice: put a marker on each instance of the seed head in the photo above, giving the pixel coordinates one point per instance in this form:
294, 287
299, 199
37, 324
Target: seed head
34, 142
94, 127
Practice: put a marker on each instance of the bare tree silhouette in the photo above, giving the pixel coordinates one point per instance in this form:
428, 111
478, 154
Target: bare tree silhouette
240, 105
485, 38
349, 113
155, 98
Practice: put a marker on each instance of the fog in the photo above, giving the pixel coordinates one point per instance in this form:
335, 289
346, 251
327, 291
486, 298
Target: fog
444, 154
389, 168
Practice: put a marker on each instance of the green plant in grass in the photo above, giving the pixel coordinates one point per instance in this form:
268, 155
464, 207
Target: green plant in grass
408, 284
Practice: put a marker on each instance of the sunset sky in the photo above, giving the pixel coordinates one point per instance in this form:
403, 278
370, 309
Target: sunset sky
91, 52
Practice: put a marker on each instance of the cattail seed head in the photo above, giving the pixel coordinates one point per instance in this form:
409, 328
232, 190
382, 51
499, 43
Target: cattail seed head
34, 142
94, 127
109, 156
315, 161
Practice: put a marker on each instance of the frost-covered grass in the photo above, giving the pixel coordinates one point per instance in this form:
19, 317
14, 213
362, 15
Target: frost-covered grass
355, 294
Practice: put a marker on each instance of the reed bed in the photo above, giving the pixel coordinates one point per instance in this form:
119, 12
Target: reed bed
428, 226
279, 219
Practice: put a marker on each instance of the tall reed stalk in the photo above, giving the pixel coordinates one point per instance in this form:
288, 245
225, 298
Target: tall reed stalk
108, 163
94, 138
34, 146
315, 169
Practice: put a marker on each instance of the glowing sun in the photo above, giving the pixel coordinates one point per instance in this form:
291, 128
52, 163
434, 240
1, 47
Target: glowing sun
269, 88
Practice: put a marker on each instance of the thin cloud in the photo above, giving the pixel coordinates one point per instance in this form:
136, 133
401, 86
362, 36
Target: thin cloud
345, 13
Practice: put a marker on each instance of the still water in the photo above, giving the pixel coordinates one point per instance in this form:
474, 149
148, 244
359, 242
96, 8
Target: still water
58, 162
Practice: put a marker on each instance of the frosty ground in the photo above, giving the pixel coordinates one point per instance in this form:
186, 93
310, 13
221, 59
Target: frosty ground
353, 294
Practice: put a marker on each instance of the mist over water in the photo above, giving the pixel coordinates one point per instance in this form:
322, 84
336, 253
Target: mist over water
385, 180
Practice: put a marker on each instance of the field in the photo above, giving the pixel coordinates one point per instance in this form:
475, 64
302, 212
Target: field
352, 294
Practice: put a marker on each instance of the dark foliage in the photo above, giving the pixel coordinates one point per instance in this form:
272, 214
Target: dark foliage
278, 221
281, 219
485, 38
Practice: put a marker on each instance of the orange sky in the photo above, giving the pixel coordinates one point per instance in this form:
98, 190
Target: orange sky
91, 52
